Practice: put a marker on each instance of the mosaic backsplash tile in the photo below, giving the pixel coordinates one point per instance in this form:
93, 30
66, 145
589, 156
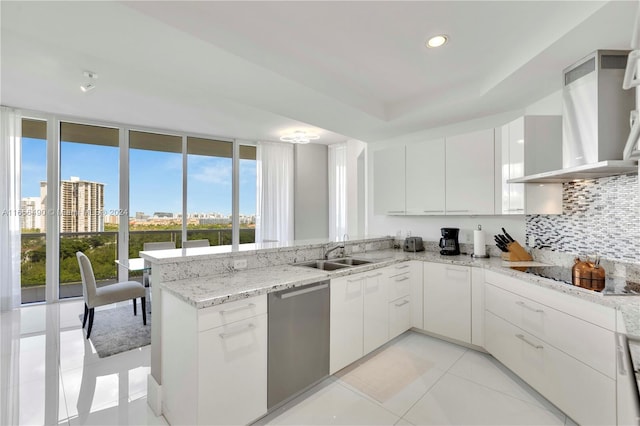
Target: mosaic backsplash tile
599, 216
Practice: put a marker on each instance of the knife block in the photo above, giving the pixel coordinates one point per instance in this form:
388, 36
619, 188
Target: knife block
516, 253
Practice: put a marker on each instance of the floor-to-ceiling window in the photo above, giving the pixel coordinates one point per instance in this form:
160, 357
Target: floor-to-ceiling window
175, 183
155, 189
89, 203
33, 254
247, 194
209, 190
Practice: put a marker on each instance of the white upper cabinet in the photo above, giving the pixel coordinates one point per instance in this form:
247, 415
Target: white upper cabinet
470, 173
425, 178
529, 145
389, 181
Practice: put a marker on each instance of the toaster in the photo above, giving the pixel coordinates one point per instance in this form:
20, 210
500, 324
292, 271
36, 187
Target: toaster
413, 244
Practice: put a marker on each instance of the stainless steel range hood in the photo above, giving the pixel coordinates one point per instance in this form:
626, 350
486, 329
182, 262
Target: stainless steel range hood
595, 120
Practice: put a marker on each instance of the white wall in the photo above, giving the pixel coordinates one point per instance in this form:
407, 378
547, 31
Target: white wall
311, 192
428, 227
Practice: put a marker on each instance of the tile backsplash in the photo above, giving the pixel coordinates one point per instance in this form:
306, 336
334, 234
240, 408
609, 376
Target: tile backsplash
599, 216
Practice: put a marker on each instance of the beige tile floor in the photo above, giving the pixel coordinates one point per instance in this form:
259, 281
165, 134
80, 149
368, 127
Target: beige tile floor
50, 374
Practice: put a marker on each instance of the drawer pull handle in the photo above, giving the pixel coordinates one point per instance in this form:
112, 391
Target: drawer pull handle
524, 305
239, 330
400, 274
402, 279
402, 267
524, 339
433, 211
404, 302
376, 275
457, 211
395, 211
355, 281
461, 271
239, 308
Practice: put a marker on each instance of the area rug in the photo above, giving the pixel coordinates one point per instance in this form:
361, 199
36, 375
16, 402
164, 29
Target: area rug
386, 373
117, 330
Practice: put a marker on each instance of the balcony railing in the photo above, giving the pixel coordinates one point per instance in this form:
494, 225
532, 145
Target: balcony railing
102, 250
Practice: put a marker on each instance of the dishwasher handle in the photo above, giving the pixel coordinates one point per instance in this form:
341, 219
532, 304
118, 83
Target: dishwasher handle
303, 291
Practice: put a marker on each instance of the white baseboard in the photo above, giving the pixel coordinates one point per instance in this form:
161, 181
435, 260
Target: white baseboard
154, 395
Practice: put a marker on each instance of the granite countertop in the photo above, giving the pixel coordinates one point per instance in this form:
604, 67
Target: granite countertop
208, 291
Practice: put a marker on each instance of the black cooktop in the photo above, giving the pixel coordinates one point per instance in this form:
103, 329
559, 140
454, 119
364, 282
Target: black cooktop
613, 286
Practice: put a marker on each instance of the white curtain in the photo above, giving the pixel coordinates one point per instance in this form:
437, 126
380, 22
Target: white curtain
274, 221
337, 191
10, 134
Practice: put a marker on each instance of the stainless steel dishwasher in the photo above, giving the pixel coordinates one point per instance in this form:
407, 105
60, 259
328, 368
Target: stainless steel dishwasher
298, 342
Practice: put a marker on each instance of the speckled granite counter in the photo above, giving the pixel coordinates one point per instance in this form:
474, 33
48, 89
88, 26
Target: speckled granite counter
202, 292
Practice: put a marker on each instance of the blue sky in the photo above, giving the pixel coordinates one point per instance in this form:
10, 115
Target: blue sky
155, 177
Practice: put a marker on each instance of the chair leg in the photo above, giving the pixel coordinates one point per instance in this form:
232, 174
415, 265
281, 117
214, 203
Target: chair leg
90, 322
86, 313
144, 310
135, 307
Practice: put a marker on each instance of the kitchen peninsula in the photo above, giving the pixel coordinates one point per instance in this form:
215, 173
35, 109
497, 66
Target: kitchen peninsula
200, 291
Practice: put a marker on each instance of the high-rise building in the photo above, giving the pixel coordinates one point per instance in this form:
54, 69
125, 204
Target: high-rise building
29, 213
81, 205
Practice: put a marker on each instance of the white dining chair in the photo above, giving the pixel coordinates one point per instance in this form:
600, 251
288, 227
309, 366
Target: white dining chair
95, 296
195, 243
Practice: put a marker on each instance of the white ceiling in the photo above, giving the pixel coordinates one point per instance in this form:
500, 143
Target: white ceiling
254, 70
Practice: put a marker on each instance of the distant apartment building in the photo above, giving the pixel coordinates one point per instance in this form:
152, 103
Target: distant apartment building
81, 205
30, 213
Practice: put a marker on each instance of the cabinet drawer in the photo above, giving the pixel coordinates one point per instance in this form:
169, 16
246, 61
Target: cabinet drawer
232, 383
399, 284
588, 343
227, 313
583, 393
594, 313
399, 316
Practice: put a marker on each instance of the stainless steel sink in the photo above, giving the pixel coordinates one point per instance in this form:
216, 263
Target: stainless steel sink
333, 264
323, 264
351, 261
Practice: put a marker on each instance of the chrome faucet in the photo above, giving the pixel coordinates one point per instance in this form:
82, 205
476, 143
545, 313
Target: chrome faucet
328, 250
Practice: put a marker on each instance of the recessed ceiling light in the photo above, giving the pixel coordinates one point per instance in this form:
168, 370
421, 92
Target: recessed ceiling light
437, 41
87, 87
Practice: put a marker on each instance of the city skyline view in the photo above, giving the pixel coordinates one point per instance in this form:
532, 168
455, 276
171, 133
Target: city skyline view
155, 178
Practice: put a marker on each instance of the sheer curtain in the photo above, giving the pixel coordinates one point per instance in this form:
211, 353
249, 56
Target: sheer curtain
337, 191
274, 206
10, 134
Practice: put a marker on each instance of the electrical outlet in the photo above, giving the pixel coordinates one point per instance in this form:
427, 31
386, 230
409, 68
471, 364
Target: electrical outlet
240, 264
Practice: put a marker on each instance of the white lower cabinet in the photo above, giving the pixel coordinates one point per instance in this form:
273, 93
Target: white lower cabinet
447, 300
346, 325
584, 394
399, 316
562, 346
375, 316
368, 310
214, 363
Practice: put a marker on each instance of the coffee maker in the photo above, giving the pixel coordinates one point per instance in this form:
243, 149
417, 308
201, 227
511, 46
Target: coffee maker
449, 241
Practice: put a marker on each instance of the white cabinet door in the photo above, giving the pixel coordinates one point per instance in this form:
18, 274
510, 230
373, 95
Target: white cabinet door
477, 306
447, 300
417, 294
232, 385
470, 173
346, 338
399, 316
515, 163
389, 181
376, 315
530, 145
425, 178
